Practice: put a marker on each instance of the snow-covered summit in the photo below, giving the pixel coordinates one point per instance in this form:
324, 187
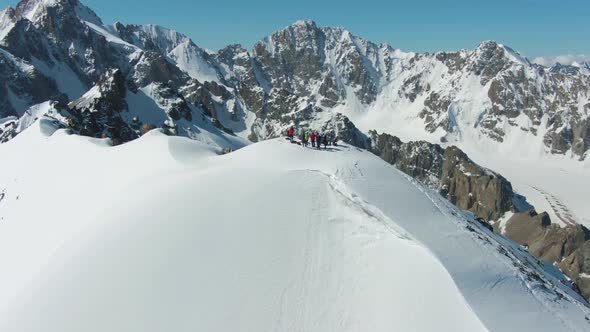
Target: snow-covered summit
36, 10
493, 46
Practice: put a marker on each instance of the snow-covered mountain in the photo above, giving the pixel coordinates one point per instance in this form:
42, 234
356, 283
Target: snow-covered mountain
66, 44
306, 74
272, 237
491, 95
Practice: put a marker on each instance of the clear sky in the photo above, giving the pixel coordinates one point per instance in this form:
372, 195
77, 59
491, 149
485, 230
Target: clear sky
533, 27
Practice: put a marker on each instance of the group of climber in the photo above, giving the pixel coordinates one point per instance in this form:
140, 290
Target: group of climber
316, 138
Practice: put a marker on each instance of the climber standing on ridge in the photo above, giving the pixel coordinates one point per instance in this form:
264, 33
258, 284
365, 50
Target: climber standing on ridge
333, 138
318, 140
313, 138
325, 141
290, 133
302, 137
306, 138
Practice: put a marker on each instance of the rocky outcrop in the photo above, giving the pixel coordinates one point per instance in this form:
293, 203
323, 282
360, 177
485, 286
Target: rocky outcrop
347, 131
568, 247
19, 80
99, 112
451, 172
577, 266
421, 160
107, 96
474, 188
545, 240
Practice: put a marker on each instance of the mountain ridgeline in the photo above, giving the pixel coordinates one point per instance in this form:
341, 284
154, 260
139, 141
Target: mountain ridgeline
303, 74
117, 81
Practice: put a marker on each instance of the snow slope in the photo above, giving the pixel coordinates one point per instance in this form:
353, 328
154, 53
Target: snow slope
164, 234
555, 184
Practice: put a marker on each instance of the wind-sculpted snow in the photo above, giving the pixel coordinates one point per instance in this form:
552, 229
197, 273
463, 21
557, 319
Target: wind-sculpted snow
272, 237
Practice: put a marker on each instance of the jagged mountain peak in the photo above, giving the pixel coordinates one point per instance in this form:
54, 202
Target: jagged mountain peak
37, 10
492, 49
305, 23
7, 17
171, 38
154, 37
308, 34
179, 48
8, 13
301, 34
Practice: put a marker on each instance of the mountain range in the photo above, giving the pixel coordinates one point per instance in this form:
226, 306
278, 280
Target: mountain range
60, 50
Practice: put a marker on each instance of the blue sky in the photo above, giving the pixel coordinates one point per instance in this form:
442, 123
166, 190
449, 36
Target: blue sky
533, 27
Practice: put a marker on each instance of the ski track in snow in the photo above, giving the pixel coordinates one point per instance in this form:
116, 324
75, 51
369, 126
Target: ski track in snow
539, 291
562, 212
321, 190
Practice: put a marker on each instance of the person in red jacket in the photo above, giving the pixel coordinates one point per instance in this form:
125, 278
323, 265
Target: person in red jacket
312, 138
290, 133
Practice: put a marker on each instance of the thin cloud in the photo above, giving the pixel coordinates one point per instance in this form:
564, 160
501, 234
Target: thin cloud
568, 59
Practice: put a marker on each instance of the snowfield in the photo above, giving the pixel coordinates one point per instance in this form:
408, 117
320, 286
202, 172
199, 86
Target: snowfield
554, 184
165, 234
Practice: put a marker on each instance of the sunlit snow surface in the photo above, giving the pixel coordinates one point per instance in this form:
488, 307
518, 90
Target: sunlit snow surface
164, 234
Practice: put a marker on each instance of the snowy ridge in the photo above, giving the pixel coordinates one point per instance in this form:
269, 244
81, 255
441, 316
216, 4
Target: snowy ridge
357, 246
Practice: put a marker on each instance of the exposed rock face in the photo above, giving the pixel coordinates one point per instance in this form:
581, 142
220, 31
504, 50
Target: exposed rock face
545, 240
577, 266
567, 247
488, 60
99, 112
56, 35
473, 188
19, 80
108, 95
421, 160
347, 131
450, 171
